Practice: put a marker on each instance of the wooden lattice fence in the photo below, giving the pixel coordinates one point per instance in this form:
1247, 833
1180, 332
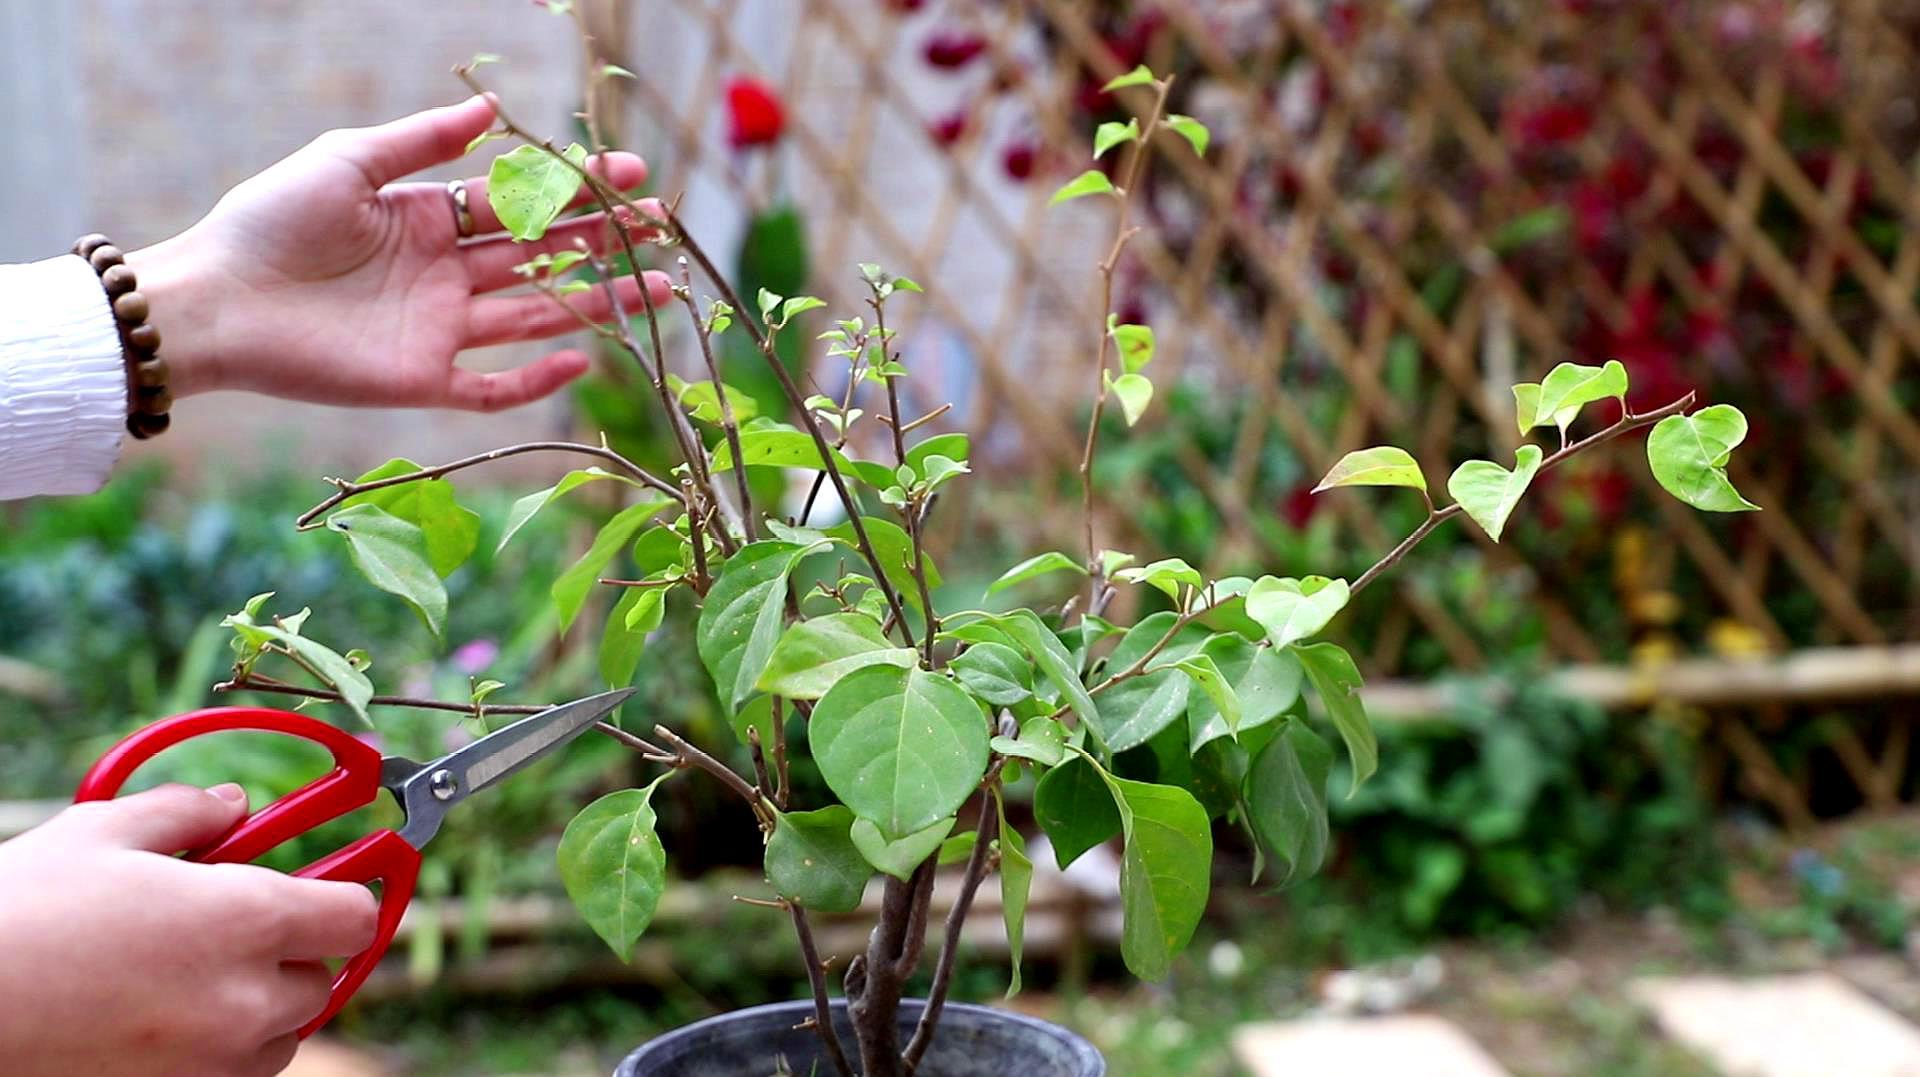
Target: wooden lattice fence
1408, 207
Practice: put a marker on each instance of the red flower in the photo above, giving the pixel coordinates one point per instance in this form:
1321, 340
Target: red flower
954, 49
754, 113
1298, 507
908, 6
947, 129
1018, 160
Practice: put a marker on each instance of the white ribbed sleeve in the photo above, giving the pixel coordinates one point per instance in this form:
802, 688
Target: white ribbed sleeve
63, 390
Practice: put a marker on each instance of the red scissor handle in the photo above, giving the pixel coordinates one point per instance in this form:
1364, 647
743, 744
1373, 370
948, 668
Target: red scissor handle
382, 856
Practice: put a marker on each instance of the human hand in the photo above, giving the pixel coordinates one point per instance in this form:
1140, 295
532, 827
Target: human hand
120, 959
322, 279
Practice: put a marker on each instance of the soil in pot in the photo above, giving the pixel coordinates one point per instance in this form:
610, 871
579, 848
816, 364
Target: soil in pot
973, 1041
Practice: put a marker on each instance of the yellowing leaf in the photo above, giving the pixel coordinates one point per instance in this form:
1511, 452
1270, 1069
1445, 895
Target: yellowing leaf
1381, 466
1489, 492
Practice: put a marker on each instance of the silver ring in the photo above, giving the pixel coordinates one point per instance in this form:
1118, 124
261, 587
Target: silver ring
462, 213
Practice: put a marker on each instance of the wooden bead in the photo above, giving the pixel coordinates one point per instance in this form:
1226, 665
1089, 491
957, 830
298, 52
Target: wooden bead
131, 308
105, 257
144, 337
87, 244
149, 374
144, 426
119, 280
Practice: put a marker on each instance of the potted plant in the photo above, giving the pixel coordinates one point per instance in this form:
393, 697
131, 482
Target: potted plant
919, 717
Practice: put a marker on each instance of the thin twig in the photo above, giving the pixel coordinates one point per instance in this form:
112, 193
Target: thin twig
817, 977
1437, 517
690, 756
911, 511
727, 420
950, 945
345, 489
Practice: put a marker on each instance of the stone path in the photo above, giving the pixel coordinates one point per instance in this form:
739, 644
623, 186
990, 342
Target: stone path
1810, 1025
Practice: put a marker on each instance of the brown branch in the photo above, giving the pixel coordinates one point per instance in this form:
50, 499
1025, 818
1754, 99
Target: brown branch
727, 420
817, 977
345, 489
689, 756
950, 945
1436, 517
1122, 233
254, 682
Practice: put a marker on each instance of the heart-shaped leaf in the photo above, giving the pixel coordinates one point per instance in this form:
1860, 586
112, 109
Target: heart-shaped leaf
1382, 465
1688, 454
528, 188
1489, 492
1572, 386
1292, 610
811, 859
902, 748
613, 865
1526, 410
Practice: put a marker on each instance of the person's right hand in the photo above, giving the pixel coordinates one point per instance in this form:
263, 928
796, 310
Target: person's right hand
116, 958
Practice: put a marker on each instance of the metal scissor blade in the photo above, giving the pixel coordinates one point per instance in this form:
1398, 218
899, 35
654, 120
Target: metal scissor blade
453, 777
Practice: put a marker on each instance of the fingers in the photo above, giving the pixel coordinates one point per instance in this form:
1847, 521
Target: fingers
490, 263
301, 990
473, 391
273, 1057
505, 319
165, 820
404, 146
321, 919
623, 171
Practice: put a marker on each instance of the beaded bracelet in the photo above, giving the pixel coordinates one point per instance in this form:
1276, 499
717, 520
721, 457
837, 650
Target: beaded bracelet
147, 397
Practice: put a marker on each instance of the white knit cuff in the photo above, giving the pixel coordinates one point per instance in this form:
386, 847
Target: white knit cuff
63, 386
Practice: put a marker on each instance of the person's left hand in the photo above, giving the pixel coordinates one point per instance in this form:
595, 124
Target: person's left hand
322, 279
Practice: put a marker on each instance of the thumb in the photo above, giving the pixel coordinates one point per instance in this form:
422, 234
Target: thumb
168, 819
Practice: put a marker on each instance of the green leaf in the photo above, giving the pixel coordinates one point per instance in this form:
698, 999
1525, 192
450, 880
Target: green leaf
994, 673
958, 848
633, 619
1016, 884
528, 188
527, 507
1168, 575
1489, 492
799, 305
902, 748
812, 656
1337, 680
1075, 808
1113, 133
939, 470
1380, 466
1164, 873
336, 671
1526, 410
768, 300
615, 71
811, 859
1292, 610
894, 547
1572, 386
1092, 181
1032, 567
570, 590
613, 865
1042, 740
451, 530
1530, 227
391, 554
1136, 346
1689, 453
1286, 797
1134, 710
1135, 393
1055, 661
1266, 681
952, 446
486, 688
899, 857
1192, 130
702, 401
740, 620
1200, 667
1139, 76
777, 447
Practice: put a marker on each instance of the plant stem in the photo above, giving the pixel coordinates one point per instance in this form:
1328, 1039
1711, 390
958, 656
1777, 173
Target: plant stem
345, 489
1122, 233
817, 979
727, 420
254, 682
950, 945
912, 512
690, 756
1435, 517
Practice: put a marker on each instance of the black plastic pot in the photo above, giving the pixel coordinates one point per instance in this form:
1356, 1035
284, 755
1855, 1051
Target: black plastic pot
974, 1041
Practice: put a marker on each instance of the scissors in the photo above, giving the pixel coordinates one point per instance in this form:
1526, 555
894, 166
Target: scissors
391, 858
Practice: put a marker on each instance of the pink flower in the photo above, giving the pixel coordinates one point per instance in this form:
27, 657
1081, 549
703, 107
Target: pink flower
475, 656
948, 129
1018, 160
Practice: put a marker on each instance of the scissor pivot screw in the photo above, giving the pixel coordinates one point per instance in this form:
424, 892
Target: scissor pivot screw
442, 784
